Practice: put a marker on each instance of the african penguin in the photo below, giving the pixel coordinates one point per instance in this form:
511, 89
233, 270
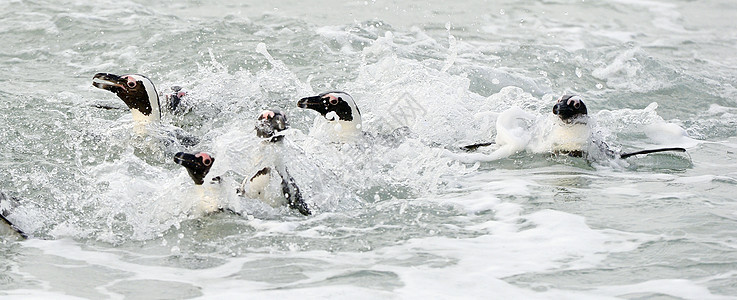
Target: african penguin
340, 111
137, 91
198, 166
272, 183
175, 97
572, 137
571, 134
140, 95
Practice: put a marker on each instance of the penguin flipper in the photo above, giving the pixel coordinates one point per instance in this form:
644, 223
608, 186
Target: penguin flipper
242, 189
108, 106
292, 193
626, 155
476, 146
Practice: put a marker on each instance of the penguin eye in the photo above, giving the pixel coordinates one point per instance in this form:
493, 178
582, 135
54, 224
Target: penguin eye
576, 104
334, 101
206, 161
131, 84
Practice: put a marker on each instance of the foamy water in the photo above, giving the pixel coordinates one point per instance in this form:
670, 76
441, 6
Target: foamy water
402, 212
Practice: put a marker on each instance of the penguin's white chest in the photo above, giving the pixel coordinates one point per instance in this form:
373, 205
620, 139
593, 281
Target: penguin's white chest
267, 188
207, 199
336, 131
570, 137
265, 184
141, 121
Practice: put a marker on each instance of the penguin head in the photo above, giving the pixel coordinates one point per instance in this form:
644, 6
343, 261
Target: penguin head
270, 123
175, 97
334, 106
137, 91
198, 165
569, 108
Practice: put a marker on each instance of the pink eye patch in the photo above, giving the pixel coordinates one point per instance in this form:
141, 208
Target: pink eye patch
206, 159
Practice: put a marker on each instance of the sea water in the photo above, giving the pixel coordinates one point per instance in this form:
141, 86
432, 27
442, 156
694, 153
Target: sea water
406, 215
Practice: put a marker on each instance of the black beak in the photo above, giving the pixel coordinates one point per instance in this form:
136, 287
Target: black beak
110, 82
197, 166
566, 112
313, 102
557, 110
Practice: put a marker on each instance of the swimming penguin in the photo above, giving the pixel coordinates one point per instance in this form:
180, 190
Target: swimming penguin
6, 209
341, 112
572, 137
272, 183
139, 94
572, 134
175, 97
136, 91
198, 166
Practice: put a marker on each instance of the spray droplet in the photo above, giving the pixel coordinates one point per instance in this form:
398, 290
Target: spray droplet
579, 73
501, 11
599, 86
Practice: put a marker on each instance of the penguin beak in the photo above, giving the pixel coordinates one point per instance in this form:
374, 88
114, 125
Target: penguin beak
314, 102
110, 82
197, 166
566, 112
264, 128
556, 109
563, 111
185, 159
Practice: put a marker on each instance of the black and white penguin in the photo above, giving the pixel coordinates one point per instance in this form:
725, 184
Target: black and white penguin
139, 94
339, 110
272, 183
570, 134
136, 91
198, 166
573, 136
175, 97
7, 204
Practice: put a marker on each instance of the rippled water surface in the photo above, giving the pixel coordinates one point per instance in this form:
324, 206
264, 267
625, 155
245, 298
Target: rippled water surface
109, 213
